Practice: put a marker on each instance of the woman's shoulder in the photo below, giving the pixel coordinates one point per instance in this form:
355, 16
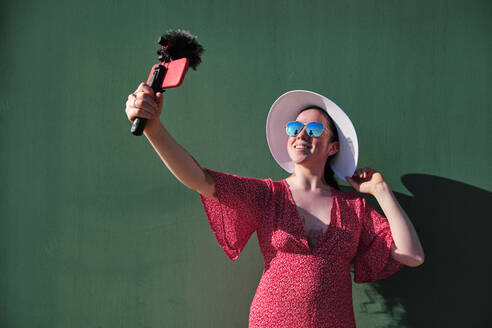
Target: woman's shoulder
236, 175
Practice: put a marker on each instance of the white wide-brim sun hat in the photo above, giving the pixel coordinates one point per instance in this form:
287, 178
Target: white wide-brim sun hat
287, 107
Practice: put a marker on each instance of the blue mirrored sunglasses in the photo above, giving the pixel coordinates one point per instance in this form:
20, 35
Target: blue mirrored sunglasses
313, 129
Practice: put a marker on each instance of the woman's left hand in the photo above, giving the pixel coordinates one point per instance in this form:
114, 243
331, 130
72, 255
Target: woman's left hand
365, 180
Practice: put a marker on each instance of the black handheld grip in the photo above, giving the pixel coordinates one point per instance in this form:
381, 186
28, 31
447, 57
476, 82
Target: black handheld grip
155, 83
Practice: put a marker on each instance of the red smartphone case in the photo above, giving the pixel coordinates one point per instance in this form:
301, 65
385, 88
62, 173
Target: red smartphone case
176, 71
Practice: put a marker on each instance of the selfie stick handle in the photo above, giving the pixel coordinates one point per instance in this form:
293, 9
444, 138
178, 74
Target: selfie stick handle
156, 83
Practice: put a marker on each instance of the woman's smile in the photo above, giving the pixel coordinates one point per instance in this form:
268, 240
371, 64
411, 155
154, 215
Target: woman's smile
302, 146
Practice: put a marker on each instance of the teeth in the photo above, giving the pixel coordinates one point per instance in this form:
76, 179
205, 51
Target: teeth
301, 147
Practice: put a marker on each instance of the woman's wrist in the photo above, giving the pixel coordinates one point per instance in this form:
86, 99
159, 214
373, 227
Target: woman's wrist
152, 126
381, 190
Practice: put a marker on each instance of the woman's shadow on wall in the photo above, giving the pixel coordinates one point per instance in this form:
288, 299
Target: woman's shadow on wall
452, 288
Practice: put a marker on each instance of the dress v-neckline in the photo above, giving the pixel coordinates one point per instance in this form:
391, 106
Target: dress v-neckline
299, 222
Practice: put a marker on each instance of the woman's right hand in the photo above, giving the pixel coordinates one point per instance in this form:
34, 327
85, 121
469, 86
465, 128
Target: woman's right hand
144, 104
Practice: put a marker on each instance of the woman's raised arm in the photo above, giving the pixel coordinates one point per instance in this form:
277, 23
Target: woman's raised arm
143, 103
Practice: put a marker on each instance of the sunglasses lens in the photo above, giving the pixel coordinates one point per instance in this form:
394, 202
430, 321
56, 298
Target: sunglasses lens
314, 129
293, 128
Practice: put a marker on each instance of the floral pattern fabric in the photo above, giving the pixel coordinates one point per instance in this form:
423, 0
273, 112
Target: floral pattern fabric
300, 286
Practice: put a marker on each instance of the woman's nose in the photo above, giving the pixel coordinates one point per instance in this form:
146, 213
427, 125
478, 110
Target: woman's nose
303, 134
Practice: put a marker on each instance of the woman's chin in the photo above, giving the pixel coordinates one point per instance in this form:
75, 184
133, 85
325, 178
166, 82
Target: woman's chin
299, 158
306, 159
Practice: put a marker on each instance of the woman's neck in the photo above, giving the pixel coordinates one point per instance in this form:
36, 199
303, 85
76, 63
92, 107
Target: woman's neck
308, 179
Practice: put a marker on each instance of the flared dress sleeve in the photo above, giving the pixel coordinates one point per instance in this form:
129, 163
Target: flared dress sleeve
373, 259
239, 211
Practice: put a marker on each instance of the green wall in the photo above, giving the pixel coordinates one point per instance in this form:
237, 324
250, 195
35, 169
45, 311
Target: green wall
96, 232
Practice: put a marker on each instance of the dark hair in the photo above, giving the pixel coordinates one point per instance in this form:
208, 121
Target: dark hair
328, 174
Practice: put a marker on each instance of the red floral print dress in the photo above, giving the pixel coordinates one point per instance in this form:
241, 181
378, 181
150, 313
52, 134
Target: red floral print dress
300, 286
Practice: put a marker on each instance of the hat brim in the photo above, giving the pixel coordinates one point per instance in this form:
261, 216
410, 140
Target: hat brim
287, 107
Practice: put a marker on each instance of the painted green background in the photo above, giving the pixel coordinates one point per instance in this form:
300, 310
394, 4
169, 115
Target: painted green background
96, 232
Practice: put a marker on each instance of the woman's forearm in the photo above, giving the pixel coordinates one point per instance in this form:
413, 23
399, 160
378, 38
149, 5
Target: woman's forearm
408, 248
184, 167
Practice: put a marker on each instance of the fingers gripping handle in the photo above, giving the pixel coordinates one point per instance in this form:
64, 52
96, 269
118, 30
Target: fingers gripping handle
156, 83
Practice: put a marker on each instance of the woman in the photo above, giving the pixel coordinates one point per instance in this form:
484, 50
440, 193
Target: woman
308, 230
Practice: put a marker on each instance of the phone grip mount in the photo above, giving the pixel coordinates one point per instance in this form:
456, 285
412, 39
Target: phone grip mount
179, 51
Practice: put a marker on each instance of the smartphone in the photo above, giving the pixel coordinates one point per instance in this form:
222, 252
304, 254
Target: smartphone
175, 73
